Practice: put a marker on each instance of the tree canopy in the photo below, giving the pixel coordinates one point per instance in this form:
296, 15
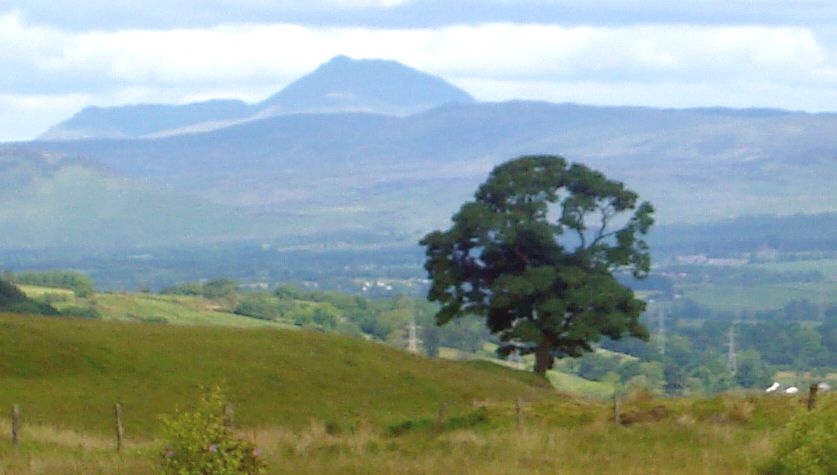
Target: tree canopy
535, 254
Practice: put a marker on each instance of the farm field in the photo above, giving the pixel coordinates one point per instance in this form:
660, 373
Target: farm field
683, 445
151, 308
828, 267
320, 403
70, 372
760, 296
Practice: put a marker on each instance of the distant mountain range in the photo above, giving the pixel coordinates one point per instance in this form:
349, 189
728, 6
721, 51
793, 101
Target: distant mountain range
340, 85
361, 148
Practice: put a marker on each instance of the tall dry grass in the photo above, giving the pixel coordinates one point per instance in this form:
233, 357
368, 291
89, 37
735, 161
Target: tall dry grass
686, 447
724, 435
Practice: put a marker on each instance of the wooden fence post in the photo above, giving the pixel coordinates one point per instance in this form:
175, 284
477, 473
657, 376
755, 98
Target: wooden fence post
440, 417
15, 424
812, 396
518, 409
120, 431
229, 415
617, 408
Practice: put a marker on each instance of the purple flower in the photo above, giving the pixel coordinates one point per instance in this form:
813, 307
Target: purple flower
257, 452
169, 453
213, 447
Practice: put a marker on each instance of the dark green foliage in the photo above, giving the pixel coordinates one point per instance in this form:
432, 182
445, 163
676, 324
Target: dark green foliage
12, 299
80, 284
524, 256
32, 307
752, 371
10, 294
80, 311
219, 289
199, 442
258, 305
326, 316
188, 288
287, 291
810, 445
594, 366
471, 420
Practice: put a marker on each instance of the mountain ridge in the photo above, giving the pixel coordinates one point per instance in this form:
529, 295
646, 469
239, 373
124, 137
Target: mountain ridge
342, 84
405, 175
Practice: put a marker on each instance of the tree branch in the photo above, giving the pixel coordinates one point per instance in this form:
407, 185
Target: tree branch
607, 214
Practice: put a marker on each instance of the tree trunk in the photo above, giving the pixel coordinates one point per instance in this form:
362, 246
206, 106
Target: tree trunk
543, 356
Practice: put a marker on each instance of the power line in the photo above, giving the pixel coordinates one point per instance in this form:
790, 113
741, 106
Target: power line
732, 360
412, 337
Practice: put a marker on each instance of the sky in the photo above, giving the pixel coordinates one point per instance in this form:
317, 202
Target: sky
58, 57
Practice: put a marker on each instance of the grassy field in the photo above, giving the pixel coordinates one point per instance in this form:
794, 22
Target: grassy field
572, 384
827, 267
761, 297
328, 404
174, 309
320, 403
728, 434
69, 372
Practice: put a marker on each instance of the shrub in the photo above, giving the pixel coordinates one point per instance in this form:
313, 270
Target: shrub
200, 443
80, 284
258, 305
10, 294
471, 420
189, 288
80, 311
810, 445
12, 299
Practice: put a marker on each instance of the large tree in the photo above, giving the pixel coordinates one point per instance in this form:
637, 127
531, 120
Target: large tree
535, 254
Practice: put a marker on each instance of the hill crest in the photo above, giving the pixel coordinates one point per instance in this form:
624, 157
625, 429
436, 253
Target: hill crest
342, 84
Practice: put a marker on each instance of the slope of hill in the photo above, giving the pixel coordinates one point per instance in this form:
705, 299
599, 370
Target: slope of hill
370, 172
144, 119
345, 84
68, 373
310, 174
71, 203
340, 85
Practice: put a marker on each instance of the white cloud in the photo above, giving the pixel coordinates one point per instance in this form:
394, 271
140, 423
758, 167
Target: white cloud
24, 117
660, 65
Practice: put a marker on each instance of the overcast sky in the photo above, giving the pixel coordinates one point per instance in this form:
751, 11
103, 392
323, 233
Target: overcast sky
58, 57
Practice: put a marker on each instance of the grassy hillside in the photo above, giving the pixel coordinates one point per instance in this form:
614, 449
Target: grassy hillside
76, 204
381, 174
68, 373
729, 434
150, 308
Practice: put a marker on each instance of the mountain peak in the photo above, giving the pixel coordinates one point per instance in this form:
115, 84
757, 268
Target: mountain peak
342, 84
369, 85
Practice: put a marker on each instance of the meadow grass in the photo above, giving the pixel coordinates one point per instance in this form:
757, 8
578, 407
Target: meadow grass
328, 404
573, 384
174, 309
726, 434
69, 372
